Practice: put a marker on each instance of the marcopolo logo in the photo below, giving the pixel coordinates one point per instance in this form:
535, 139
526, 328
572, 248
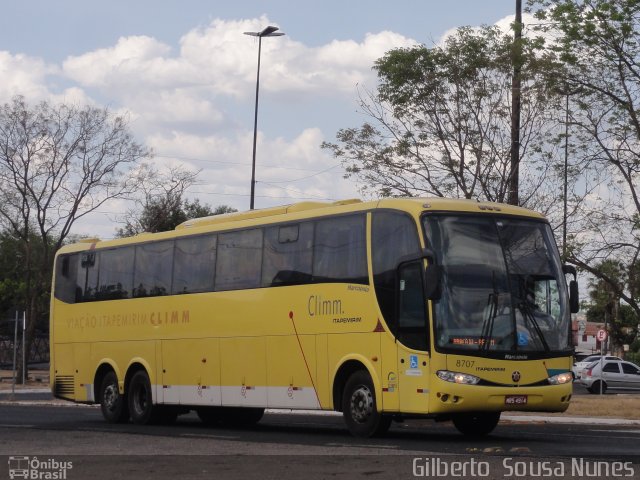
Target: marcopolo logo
38, 469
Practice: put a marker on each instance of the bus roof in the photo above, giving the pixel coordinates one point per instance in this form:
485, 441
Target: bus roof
302, 210
434, 204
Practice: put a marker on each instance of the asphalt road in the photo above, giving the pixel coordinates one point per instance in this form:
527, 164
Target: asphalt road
311, 446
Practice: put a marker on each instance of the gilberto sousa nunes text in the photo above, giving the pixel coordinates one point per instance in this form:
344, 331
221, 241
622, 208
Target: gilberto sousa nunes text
510, 467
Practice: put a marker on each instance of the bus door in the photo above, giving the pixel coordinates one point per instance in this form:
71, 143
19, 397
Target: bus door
412, 339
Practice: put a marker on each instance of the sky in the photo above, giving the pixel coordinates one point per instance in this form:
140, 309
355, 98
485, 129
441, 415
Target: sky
185, 75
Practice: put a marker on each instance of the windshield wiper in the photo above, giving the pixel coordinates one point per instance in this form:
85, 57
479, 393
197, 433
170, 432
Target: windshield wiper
529, 315
489, 319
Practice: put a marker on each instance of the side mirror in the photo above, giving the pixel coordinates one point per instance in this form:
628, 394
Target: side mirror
574, 294
574, 297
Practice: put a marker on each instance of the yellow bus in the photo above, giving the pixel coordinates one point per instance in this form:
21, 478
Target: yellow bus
391, 309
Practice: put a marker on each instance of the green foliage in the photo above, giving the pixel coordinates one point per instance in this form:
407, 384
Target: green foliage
163, 213
596, 50
439, 122
13, 288
605, 303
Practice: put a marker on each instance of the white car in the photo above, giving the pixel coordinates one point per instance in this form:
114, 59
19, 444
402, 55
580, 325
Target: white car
578, 367
615, 375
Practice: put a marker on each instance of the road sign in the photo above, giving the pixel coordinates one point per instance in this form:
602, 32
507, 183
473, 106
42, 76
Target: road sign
582, 327
601, 336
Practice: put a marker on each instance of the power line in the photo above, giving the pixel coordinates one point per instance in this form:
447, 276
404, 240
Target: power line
293, 190
223, 162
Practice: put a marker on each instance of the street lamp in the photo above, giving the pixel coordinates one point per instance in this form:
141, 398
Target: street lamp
269, 31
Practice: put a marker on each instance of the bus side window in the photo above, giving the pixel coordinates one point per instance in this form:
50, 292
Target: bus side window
413, 330
87, 277
194, 264
239, 260
340, 250
116, 273
66, 271
153, 265
287, 255
394, 236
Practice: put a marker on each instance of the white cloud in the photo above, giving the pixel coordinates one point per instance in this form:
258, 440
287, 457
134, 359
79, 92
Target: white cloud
219, 57
23, 75
192, 103
503, 24
131, 57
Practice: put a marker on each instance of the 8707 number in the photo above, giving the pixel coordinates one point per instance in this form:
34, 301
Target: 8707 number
465, 363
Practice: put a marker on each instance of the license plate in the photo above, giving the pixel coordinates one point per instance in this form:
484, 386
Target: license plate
515, 400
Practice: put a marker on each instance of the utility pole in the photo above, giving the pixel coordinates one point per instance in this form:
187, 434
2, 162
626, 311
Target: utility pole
269, 31
516, 60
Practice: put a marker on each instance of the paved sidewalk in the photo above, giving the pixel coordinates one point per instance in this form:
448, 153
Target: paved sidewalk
36, 379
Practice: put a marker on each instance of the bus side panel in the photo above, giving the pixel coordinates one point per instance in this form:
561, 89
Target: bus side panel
291, 372
390, 382
63, 379
362, 347
323, 386
171, 360
84, 372
192, 369
243, 367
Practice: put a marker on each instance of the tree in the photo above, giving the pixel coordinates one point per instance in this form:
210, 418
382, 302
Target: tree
605, 305
439, 123
58, 163
596, 44
162, 206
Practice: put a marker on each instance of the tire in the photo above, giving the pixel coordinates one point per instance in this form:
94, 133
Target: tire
113, 405
595, 387
359, 407
476, 424
140, 399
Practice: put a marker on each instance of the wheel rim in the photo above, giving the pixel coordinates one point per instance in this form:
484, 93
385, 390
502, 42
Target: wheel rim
361, 405
110, 397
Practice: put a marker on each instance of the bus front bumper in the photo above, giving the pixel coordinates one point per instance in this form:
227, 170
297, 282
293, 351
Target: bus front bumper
447, 397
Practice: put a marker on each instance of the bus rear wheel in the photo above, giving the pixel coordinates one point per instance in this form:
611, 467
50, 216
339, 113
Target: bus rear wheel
476, 424
113, 405
359, 407
140, 399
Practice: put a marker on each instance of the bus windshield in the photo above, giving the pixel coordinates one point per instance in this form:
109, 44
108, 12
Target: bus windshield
503, 290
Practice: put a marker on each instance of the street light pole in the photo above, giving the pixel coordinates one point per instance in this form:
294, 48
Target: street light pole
269, 31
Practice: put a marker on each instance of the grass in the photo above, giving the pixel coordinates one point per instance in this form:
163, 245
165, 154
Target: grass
609, 406
614, 406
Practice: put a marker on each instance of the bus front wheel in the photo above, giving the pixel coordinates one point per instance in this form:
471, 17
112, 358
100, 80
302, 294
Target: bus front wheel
113, 405
359, 407
476, 424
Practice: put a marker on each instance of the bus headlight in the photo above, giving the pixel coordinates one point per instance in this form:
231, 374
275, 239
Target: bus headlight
561, 378
457, 377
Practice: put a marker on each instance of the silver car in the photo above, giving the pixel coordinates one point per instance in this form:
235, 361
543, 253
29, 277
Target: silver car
579, 367
616, 374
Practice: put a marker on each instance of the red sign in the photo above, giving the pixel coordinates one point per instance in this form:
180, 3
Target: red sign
601, 336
